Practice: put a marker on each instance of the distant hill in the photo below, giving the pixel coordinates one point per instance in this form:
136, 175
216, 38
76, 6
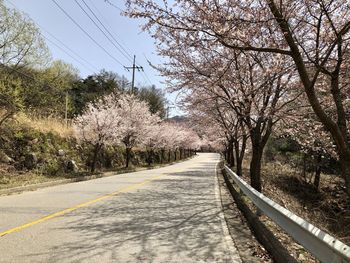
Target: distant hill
178, 119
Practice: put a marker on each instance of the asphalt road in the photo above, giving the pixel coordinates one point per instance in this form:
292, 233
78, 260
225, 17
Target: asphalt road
171, 214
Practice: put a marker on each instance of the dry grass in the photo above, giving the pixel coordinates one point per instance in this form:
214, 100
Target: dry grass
276, 194
10, 177
46, 124
327, 208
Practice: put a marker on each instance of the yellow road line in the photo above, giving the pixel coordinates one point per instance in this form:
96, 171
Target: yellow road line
68, 210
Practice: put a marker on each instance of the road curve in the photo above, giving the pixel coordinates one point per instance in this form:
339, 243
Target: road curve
170, 214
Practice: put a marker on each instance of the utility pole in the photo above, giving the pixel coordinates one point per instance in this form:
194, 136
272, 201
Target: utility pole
139, 68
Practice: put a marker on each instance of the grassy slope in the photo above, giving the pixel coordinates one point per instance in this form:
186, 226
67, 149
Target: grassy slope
44, 138
328, 208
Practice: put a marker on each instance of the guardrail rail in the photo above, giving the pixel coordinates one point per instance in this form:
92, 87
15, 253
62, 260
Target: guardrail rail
323, 246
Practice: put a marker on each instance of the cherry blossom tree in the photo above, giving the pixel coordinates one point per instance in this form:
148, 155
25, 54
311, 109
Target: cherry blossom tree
254, 87
169, 135
163, 138
229, 130
178, 138
312, 35
160, 138
98, 125
304, 127
136, 122
187, 140
123, 118
256, 97
151, 141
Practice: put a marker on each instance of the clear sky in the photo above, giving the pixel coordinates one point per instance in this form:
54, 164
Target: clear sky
55, 24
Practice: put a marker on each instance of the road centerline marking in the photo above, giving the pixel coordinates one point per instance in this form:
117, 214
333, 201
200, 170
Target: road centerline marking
73, 208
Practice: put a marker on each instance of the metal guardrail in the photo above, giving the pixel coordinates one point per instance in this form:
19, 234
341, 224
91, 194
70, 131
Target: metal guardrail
323, 246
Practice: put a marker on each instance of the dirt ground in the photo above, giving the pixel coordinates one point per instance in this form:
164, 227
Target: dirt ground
327, 208
248, 247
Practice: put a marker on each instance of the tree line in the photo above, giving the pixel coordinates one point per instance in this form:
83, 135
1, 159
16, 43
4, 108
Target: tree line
122, 118
32, 82
254, 68
99, 107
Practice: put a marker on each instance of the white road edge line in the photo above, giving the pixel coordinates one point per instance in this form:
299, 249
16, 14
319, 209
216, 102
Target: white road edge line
230, 243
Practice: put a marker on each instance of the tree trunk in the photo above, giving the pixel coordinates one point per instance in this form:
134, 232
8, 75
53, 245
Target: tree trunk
175, 152
258, 140
226, 154
336, 129
239, 167
239, 152
345, 165
181, 153
318, 171
149, 157
231, 159
128, 151
169, 156
255, 168
94, 158
152, 156
239, 159
162, 153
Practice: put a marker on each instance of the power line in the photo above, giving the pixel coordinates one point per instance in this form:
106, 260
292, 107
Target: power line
89, 66
86, 33
60, 92
68, 54
143, 73
145, 77
72, 51
99, 28
128, 51
121, 49
19, 72
30, 77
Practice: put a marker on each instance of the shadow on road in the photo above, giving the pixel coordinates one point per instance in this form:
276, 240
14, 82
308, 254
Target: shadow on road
174, 219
